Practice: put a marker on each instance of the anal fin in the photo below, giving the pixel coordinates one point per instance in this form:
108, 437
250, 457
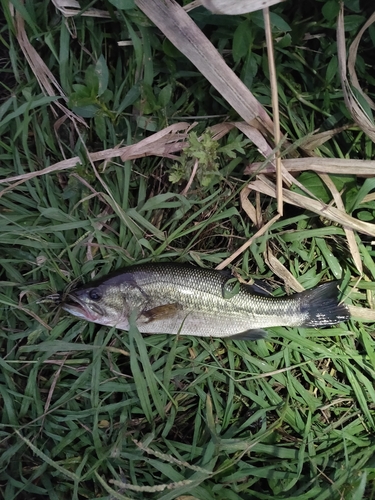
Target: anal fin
249, 335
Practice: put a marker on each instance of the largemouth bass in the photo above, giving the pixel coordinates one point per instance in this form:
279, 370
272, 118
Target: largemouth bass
187, 300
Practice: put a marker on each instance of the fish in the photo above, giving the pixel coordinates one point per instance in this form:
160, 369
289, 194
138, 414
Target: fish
181, 299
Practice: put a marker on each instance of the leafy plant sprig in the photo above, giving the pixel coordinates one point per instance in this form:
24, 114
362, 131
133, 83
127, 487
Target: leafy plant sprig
206, 150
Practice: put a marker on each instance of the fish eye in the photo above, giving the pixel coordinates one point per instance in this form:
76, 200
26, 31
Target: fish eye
95, 294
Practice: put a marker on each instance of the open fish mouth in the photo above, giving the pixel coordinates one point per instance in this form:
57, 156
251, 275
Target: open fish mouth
74, 305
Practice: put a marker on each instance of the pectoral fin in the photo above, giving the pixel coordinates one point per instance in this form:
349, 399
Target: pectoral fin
159, 313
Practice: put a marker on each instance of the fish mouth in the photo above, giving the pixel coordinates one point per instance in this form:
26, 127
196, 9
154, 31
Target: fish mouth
76, 306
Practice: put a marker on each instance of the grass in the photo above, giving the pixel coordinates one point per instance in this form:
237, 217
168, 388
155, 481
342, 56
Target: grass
91, 412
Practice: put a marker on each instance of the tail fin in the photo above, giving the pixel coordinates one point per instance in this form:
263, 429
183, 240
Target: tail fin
321, 305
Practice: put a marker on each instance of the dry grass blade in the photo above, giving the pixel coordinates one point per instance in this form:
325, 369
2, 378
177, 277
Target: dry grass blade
350, 236
352, 57
369, 197
237, 7
219, 130
190, 181
44, 76
256, 137
263, 185
362, 313
151, 489
275, 108
164, 143
192, 5
57, 167
251, 212
315, 140
181, 30
33, 315
170, 458
246, 245
187, 497
361, 168
65, 472
359, 115
282, 272
70, 8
